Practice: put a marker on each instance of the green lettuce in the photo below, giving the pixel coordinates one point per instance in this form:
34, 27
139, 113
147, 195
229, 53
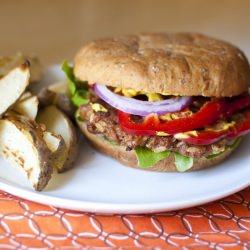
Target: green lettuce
228, 146
110, 141
78, 89
80, 98
78, 117
235, 143
183, 163
147, 157
215, 155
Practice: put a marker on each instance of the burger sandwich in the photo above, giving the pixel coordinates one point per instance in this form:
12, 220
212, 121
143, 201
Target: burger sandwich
164, 102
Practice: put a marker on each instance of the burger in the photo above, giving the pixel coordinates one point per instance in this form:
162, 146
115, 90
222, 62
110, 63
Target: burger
162, 101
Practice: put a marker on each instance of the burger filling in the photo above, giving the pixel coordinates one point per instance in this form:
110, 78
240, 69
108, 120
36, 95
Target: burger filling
104, 120
157, 125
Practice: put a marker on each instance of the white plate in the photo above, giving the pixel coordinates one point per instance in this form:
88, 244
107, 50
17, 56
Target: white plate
100, 184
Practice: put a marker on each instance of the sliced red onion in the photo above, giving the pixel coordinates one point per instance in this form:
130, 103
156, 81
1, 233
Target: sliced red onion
142, 108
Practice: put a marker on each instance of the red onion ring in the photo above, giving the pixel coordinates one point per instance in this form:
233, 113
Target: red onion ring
142, 108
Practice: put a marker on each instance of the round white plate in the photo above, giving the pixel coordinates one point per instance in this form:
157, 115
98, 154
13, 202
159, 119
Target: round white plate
100, 184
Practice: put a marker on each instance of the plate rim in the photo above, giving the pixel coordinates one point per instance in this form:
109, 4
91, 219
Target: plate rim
114, 208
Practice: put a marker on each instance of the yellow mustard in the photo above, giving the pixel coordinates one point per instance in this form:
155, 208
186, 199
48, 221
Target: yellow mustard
131, 93
221, 126
161, 133
98, 107
186, 134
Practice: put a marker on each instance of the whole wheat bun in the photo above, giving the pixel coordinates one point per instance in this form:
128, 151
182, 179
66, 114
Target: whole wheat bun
128, 158
187, 64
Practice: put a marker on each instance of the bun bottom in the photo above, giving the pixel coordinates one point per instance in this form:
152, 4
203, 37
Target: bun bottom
128, 158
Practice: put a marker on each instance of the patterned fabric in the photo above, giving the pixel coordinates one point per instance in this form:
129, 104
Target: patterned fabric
224, 224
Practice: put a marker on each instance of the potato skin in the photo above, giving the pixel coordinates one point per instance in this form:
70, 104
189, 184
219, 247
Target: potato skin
56, 153
44, 117
73, 149
36, 133
46, 97
60, 100
64, 103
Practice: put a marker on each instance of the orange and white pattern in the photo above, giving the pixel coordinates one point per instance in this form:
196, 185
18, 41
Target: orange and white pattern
224, 224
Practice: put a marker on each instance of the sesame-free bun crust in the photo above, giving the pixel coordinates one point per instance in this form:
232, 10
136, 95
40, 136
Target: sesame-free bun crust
128, 158
186, 64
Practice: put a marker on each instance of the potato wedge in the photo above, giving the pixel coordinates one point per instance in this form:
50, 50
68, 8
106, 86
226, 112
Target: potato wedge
13, 85
57, 122
7, 63
22, 143
60, 88
57, 94
27, 107
25, 96
58, 148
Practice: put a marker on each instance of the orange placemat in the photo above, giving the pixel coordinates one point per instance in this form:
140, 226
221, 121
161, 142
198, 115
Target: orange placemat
224, 224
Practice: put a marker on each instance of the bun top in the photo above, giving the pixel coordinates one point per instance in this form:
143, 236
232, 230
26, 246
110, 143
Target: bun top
186, 64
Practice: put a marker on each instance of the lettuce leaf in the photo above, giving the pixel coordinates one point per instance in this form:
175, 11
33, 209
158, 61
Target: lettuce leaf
183, 163
235, 143
70, 76
77, 116
110, 141
80, 98
215, 155
147, 157
78, 89
231, 146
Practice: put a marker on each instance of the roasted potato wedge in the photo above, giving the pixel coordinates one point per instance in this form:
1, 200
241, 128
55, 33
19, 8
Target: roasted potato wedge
22, 143
13, 85
27, 107
57, 94
7, 63
25, 96
57, 122
60, 88
58, 148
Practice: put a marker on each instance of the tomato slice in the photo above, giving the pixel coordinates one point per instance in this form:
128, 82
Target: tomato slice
204, 137
209, 113
208, 137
